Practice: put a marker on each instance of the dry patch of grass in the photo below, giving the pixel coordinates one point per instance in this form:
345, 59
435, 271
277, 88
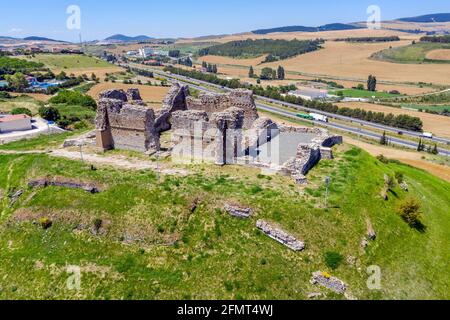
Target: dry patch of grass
37, 96
439, 125
440, 54
412, 158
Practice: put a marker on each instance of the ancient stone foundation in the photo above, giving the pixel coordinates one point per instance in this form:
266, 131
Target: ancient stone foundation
329, 282
280, 236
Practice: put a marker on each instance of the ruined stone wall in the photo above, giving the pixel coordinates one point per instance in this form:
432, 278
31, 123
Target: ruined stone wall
212, 103
174, 101
124, 122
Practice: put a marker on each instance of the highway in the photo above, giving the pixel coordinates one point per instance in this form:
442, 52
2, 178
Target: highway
362, 131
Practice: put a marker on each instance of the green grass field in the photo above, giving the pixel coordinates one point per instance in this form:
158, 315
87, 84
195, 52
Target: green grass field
411, 54
354, 93
24, 101
151, 245
436, 108
69, 61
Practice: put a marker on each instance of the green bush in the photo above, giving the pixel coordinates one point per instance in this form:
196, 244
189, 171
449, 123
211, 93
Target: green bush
22, 111
4, 95
333, 259
74, 98
49, 113
410, 211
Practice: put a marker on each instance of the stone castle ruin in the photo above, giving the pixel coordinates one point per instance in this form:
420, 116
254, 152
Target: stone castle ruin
219, 128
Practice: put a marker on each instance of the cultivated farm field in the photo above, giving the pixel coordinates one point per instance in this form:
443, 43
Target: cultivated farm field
348, 64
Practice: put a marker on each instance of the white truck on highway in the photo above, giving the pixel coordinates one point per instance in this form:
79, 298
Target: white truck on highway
319, 117
428, 135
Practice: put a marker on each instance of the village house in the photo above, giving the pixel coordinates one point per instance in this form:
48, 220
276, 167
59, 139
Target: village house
19, 122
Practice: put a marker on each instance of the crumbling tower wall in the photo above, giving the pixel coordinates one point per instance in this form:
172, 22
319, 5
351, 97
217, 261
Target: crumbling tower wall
212, 103
124, 122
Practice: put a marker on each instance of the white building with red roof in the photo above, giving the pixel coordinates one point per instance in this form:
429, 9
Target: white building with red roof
11, 123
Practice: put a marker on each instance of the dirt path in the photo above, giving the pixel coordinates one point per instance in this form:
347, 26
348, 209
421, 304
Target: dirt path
412, 158
117, 162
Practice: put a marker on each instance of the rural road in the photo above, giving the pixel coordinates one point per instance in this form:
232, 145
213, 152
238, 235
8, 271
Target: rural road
359, 131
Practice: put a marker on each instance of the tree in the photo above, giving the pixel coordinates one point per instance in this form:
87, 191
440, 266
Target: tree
17, 81
204, 65
372, 83
267, 74
63, 76
214, 68
49, 113
281, 73
251, 72
435, 150
421, 146
383, 140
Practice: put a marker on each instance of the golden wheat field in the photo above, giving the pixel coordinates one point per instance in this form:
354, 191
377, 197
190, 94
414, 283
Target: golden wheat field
327, 35
439, 125
351, 61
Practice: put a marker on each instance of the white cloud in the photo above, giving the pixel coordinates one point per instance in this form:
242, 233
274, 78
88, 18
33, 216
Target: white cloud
15, 30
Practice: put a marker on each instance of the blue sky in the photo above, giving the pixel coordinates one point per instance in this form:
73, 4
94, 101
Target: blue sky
188, 18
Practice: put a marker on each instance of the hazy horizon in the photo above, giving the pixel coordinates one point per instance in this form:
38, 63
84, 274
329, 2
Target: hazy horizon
192, 18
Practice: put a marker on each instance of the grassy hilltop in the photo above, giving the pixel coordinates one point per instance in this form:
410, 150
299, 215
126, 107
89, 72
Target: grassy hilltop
152, 246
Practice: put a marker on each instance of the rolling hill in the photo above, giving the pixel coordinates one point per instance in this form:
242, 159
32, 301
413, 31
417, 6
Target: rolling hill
437, 17
327, 27
124, 38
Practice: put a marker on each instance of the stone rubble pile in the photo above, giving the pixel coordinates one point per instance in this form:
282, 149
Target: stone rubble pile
329, 282
280, 236
237, 211
63, 183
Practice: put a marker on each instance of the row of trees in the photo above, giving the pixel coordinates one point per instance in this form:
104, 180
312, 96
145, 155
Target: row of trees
436, 39
370, 39
269, 73
211, 68
430, 149
186, 62
401, 121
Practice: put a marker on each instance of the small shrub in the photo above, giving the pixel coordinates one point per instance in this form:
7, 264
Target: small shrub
383, 159
228, 286
410, 212
45, 223
333, 259
399, 177
22, 111
98, 224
